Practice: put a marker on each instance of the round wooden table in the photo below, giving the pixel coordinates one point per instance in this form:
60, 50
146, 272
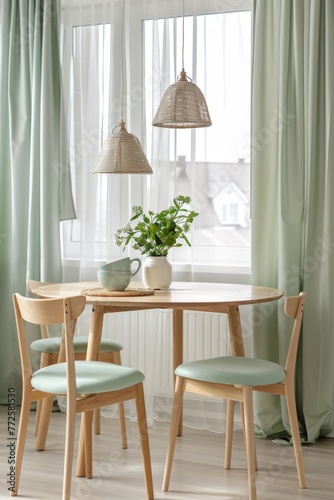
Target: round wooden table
181, 296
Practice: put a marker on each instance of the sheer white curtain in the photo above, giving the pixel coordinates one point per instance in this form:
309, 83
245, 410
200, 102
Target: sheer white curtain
181, 160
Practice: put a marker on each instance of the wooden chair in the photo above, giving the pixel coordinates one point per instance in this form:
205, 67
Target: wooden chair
49, 348
235, 378
87, 385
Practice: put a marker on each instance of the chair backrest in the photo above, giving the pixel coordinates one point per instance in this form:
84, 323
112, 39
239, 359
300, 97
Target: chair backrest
294, 307
31, 284
46, 312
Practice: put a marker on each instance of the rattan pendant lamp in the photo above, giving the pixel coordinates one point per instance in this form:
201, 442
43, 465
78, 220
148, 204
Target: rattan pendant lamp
122, 152
183, 104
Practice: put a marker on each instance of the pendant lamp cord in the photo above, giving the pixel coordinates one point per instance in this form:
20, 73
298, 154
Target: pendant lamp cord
122, 63
182, 35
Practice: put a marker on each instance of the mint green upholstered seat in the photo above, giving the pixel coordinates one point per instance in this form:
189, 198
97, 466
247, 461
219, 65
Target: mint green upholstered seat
52, 345
233, 370
91, 377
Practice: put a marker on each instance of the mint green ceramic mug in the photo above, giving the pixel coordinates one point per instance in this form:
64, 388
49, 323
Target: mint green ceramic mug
117, 275
114, 280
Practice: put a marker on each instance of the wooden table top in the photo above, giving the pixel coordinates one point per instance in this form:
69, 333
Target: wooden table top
179, 295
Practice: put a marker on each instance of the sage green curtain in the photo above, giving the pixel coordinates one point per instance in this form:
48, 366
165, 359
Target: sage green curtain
292, 200
34, 181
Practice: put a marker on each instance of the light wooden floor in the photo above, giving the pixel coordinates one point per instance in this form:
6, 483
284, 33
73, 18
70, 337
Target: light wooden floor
198, 472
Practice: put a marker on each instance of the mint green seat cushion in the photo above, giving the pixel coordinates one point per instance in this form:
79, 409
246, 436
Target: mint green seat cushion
91, 376
52, 345
233, 370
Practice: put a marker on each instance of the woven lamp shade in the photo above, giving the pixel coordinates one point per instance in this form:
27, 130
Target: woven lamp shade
122, 154
183, 106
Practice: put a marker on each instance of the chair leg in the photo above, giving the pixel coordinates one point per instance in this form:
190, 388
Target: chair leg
84, 466
249, 433
38, 415
143, 434
43, 423
81, 467
69, 447
121, 413
97, 422
180, 385
229, 433
291, 405
21, 438
88, 436
243, 426
122, 425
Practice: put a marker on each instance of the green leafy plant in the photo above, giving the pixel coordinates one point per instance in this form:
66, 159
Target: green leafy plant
155, 234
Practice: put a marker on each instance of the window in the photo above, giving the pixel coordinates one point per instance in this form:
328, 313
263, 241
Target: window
216, 159
212, 165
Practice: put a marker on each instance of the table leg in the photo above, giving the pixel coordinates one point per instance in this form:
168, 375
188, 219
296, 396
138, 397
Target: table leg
237, 349
95, 333
237, 343
178, 349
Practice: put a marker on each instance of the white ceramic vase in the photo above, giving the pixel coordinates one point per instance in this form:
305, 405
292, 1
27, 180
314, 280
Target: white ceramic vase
157, 273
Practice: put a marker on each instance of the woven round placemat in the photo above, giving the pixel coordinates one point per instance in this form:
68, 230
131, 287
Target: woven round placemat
128, 292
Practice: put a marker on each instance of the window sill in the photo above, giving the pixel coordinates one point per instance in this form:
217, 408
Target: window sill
213, 273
